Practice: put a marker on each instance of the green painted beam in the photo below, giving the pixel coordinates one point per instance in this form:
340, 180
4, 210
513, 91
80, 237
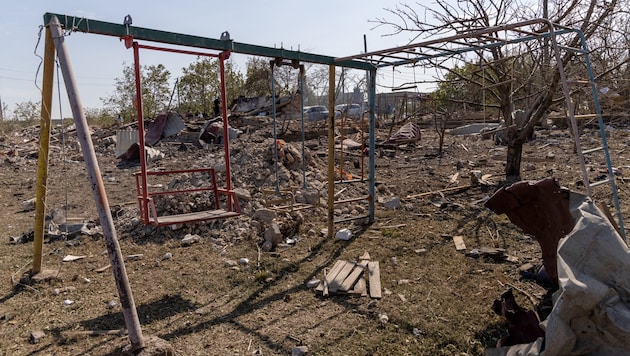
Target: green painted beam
81, 24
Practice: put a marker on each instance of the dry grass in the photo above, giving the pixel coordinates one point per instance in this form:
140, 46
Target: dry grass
437, 300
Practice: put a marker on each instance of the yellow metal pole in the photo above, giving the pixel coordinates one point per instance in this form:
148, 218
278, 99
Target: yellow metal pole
42, 158
331, 150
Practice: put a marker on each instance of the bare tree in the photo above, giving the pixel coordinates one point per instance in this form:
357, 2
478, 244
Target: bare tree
523, 76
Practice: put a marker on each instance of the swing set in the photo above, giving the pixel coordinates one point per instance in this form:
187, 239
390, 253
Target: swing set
225, 201
148, 211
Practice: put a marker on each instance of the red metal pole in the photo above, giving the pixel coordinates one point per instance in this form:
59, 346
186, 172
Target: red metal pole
143, 154
226, 134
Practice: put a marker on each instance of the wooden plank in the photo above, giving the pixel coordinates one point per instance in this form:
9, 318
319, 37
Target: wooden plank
459, 243
103, 269
328, 278
339, 278
374, 281
439, 191
356, 273
360, 287
192, 217
322, 284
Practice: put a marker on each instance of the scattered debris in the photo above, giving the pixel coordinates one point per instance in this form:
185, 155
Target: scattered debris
348, 278
164, 125
70, 258
266, 215
392, 203
459, 243
299, 351
383, 318
103, 269
67, 302
473, 129
212, 132
374, 279
36, 336
344, 234
523, 325
273, 236
408, 133
190, 239
439, 191
494, 253
590, 311
28, 205
134, 257
230, 263
313, 283
58, 291
539, 208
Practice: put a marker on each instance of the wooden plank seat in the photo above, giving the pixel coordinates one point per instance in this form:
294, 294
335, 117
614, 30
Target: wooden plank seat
192, 217
149, 212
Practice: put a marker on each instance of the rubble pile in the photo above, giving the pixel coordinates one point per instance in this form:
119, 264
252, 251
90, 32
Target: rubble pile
253, 170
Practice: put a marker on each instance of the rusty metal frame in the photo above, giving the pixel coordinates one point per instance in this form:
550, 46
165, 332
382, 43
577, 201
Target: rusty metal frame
148, 212
489, 37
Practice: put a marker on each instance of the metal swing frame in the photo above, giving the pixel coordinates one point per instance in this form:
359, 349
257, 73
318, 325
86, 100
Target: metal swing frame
146, 203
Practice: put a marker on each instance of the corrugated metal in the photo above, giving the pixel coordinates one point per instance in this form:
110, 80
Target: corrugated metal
173, 126
124, 139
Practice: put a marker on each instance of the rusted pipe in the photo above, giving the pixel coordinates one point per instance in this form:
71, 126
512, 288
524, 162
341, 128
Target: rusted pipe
98, 189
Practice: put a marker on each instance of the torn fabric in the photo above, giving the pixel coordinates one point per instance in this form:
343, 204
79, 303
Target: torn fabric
591, 312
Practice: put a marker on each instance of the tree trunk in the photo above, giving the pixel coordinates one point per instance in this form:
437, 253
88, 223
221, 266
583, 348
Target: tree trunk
514, 153
441, 136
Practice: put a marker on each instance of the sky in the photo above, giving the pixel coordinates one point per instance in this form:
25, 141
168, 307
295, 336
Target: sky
327, 27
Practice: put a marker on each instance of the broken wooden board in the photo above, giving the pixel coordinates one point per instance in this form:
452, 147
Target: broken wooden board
374, 279
459, 243
338, 279
329, 276
352, 278
348, 277
360, 287
438, 191
103, 269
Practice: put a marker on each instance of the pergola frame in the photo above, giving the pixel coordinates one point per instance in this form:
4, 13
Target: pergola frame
490, 37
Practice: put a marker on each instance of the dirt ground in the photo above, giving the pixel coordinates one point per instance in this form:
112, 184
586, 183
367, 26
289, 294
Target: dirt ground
225, 295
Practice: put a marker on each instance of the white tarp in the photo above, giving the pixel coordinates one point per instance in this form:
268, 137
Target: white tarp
591, 311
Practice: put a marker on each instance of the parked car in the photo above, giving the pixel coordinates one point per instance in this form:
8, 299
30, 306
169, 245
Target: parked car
352, 111
315, 113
